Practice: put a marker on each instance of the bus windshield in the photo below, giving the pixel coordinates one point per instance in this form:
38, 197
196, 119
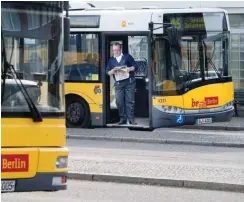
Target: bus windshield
202, 53
203, 58
33, 45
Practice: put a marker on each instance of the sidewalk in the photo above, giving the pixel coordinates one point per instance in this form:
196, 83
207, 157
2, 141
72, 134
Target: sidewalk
162, 136
236, 124
204, 170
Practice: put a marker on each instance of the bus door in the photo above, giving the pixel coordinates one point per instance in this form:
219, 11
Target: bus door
135, 45
164, 99
112, 115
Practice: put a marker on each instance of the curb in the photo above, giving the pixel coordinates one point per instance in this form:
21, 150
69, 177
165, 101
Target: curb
205, 127
156, 141
158, 181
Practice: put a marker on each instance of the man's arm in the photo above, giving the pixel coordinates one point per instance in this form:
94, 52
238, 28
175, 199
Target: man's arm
108, 68
134, 66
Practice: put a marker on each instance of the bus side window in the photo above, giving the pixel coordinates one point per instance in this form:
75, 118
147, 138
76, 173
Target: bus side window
84, 57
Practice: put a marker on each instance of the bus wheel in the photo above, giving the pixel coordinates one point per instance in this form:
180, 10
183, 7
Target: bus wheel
77, 113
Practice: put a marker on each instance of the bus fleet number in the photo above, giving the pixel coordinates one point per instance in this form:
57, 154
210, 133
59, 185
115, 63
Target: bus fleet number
7, 186
162, 100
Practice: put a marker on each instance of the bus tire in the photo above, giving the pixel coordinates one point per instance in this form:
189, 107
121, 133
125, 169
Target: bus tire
77, 113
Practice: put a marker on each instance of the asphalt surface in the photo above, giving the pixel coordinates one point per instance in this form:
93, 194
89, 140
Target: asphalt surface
184, 162
98, 191
169, 135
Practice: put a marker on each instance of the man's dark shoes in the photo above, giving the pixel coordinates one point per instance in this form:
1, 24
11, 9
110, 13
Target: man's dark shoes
122, 122
132, 122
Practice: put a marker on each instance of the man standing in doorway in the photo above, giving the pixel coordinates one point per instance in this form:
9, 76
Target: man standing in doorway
122, 67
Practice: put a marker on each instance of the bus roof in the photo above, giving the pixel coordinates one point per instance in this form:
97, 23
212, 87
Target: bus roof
124, 20
145, 9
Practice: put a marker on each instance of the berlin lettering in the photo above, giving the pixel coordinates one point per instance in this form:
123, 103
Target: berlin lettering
15, 163
208, 101
211, 101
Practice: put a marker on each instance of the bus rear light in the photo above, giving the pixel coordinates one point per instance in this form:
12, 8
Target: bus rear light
57, 181
62, 162
63, 179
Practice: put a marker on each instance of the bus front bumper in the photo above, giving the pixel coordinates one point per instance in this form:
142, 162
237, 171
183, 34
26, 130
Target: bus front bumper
40, 182
162, 119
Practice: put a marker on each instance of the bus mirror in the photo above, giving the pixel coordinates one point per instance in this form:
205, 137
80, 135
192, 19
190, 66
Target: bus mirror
66, 33
173, 36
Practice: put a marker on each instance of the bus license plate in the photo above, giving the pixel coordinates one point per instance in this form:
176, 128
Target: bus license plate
7, 185
204, 121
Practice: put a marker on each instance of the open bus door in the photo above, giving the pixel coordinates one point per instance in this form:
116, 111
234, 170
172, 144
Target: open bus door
141, 90
163, 68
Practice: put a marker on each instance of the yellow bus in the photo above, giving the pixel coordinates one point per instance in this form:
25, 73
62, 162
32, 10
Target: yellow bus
33, 152
182, 55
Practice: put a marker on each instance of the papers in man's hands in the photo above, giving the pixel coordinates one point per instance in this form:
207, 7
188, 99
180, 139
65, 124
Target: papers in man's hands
121, 73
121, 68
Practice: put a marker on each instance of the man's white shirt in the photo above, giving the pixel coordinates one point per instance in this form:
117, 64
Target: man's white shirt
119, 58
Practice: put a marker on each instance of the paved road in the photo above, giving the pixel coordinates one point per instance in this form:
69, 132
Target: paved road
181, 162
170, 134
97, 191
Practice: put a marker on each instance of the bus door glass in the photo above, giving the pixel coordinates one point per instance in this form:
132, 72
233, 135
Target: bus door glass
138, 49
165, 82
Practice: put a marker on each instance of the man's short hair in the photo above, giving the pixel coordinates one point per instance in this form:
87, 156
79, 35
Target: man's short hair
117, 44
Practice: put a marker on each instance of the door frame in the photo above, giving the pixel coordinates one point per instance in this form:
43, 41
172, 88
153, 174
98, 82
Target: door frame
104, 45
150, 79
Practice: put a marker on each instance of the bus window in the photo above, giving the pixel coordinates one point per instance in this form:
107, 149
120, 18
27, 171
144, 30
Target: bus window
215, 54
190, 58
36, 55
39, 69
212, 61
82, 58
163, 76
138, 47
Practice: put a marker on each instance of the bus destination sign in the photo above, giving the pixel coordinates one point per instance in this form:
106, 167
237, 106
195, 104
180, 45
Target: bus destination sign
194, 23
188, 23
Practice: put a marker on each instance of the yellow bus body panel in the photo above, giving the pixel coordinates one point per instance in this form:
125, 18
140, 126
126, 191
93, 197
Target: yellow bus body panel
34, 146
224, 92
86, 91
23, 132
48, 157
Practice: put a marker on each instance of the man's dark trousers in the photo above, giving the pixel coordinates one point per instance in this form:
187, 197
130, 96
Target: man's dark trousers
125, 98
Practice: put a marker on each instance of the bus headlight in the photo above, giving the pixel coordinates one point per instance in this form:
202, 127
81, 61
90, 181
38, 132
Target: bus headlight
62, 162
171, 109
228, 105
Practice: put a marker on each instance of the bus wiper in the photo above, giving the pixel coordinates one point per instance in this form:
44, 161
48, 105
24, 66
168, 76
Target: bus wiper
36, 115
214, 37
190, 75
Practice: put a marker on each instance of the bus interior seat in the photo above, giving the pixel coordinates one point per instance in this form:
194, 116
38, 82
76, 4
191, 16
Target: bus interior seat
74, 74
